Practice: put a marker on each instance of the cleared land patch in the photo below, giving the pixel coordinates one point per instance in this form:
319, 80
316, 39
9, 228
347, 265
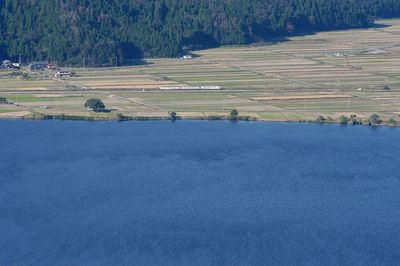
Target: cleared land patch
300, 97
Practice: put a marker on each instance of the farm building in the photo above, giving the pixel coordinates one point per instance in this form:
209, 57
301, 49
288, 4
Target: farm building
7, 64
39, 65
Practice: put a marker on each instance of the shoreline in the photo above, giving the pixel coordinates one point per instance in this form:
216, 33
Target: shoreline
62, 117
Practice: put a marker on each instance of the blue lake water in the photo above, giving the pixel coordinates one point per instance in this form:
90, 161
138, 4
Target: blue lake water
198, 193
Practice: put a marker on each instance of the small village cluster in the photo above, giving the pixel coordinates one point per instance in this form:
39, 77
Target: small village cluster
37, 66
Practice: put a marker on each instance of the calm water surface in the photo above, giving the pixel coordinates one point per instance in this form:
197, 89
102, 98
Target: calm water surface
198, 193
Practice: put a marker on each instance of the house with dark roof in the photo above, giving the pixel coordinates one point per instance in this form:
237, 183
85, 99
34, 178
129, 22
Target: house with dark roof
38, 65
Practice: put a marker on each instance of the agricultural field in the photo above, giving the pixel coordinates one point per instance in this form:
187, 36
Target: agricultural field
329, 74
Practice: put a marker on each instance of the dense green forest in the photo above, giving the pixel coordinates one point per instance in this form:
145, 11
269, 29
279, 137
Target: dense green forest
101, 32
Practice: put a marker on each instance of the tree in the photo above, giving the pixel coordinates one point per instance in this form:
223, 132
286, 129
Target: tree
375, 119
353, 119
321, 119
234, 115
95, 104
343, 120
122, 117
173, 115
104, 32
3, 100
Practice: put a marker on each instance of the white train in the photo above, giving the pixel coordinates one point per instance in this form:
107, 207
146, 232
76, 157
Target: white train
191, 88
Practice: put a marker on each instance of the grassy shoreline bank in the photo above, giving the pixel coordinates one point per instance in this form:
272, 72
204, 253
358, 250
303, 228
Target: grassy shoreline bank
193, 118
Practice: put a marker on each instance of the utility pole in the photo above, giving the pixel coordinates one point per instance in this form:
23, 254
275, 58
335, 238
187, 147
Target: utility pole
172, 105
348, 103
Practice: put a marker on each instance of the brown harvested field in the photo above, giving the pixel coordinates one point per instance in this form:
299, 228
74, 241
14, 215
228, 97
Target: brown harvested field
329, 73
301, 97
18, 114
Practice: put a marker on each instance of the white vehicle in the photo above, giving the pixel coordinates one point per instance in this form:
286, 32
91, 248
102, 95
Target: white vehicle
185, 57
62, 74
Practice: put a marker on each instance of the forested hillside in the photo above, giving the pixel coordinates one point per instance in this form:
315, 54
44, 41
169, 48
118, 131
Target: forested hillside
100, 32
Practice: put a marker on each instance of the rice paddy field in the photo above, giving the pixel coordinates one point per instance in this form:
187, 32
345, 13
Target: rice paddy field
330, 74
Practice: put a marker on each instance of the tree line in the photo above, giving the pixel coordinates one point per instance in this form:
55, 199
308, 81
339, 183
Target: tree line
103, 32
